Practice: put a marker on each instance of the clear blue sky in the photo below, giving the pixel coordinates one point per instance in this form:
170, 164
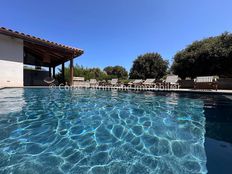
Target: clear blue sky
115, 32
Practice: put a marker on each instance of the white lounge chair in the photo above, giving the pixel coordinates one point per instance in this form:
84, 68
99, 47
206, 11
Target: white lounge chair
79, 81
172, 80
204, 81
136, 82
149, 82
114, 82
93, 82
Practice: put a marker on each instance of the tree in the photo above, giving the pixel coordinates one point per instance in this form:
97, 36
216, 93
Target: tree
149, 65
87, 73
210, 56
116, 71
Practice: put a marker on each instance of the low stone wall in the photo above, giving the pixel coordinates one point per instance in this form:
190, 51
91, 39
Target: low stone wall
186, 84
223, 83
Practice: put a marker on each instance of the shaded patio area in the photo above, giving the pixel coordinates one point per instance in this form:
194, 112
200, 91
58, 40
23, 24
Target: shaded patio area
43, 53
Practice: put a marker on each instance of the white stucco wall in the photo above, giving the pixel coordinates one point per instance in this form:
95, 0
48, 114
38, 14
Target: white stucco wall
11, 62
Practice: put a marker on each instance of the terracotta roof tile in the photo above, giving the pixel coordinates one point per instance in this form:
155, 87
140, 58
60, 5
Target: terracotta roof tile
27, 37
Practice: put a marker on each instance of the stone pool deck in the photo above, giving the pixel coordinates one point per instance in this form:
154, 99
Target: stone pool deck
203, 91
220, 91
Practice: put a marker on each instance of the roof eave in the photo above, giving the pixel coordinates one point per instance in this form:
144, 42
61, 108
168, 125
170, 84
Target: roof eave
32, 39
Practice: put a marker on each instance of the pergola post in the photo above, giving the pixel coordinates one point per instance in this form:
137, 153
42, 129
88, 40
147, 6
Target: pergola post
50, 73
54, 68
71, 72
62, 71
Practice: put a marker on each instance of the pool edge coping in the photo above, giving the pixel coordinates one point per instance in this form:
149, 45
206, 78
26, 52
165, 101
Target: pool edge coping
203, 91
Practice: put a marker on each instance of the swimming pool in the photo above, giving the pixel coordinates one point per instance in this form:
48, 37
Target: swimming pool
96, 131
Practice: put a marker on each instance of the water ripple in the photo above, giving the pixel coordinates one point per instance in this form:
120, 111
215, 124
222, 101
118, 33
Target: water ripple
98, 132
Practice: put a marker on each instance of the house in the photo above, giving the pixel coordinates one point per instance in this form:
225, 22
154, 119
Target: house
19, 49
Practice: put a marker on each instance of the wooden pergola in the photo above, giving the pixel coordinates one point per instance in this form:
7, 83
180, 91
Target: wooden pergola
41, 52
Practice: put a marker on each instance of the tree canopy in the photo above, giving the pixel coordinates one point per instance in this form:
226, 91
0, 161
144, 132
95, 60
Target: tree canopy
94, 73
116, 71
149, 65
87, 73
210, 56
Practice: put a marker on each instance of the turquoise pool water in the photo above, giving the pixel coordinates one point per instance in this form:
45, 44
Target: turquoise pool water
95, 131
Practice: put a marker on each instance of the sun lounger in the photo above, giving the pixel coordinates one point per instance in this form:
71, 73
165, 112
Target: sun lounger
79, 81
93, 83
172, 81
114, 82
149, 82
206, 82
136, 82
